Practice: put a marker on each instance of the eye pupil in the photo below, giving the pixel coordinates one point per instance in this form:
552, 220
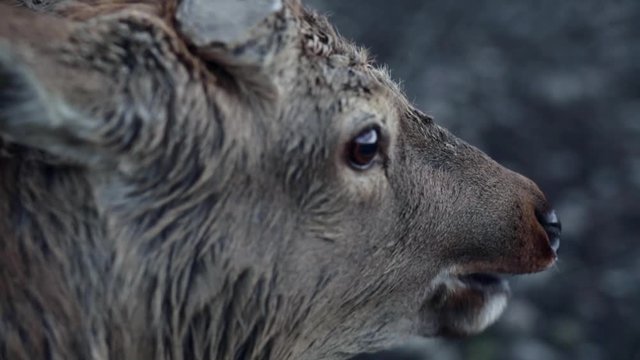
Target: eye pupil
363, 149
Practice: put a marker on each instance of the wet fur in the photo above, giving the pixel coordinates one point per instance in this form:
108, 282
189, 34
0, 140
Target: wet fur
160, 202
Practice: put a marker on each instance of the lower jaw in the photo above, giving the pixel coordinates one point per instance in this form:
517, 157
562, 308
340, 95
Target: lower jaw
464, 305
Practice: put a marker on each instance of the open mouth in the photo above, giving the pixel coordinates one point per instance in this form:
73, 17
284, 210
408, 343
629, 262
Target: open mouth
468, 297
465, 304
485, 281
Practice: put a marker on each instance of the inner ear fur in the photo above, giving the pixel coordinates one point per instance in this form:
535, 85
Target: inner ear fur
33, 86
72, 111
61, 88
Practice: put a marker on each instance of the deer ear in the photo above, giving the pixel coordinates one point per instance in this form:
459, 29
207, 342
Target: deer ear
31, 115
234, 32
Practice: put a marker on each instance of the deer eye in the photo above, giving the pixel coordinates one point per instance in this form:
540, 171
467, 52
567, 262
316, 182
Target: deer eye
363, 148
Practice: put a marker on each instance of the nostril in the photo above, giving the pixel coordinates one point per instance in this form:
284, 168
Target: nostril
551, 224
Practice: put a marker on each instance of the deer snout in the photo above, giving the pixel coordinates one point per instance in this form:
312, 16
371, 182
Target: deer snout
552, 226
520, 227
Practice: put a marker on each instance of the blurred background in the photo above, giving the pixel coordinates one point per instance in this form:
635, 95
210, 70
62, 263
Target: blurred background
550, 89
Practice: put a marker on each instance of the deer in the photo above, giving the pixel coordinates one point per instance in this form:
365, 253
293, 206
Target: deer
219, 179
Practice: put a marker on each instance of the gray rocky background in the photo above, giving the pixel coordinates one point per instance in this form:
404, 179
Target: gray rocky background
550, 89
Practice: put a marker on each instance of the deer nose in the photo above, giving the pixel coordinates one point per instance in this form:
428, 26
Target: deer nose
552, 226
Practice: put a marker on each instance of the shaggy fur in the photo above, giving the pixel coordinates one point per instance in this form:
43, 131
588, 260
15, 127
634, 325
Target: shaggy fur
167, 197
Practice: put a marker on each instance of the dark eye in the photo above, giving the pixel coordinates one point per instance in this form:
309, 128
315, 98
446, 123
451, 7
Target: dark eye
363, 148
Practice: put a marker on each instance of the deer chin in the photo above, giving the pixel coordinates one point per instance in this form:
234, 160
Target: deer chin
462, 305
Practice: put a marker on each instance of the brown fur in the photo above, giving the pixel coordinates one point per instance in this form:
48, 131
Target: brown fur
162, 200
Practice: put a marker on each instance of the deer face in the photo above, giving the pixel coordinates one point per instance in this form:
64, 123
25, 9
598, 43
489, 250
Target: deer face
313, 212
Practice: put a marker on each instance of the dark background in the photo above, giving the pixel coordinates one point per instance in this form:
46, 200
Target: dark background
550, 89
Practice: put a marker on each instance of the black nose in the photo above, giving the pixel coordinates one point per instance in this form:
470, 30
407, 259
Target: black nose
551, 224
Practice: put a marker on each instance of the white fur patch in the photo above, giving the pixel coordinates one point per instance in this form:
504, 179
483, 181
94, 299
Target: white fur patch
489, 313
